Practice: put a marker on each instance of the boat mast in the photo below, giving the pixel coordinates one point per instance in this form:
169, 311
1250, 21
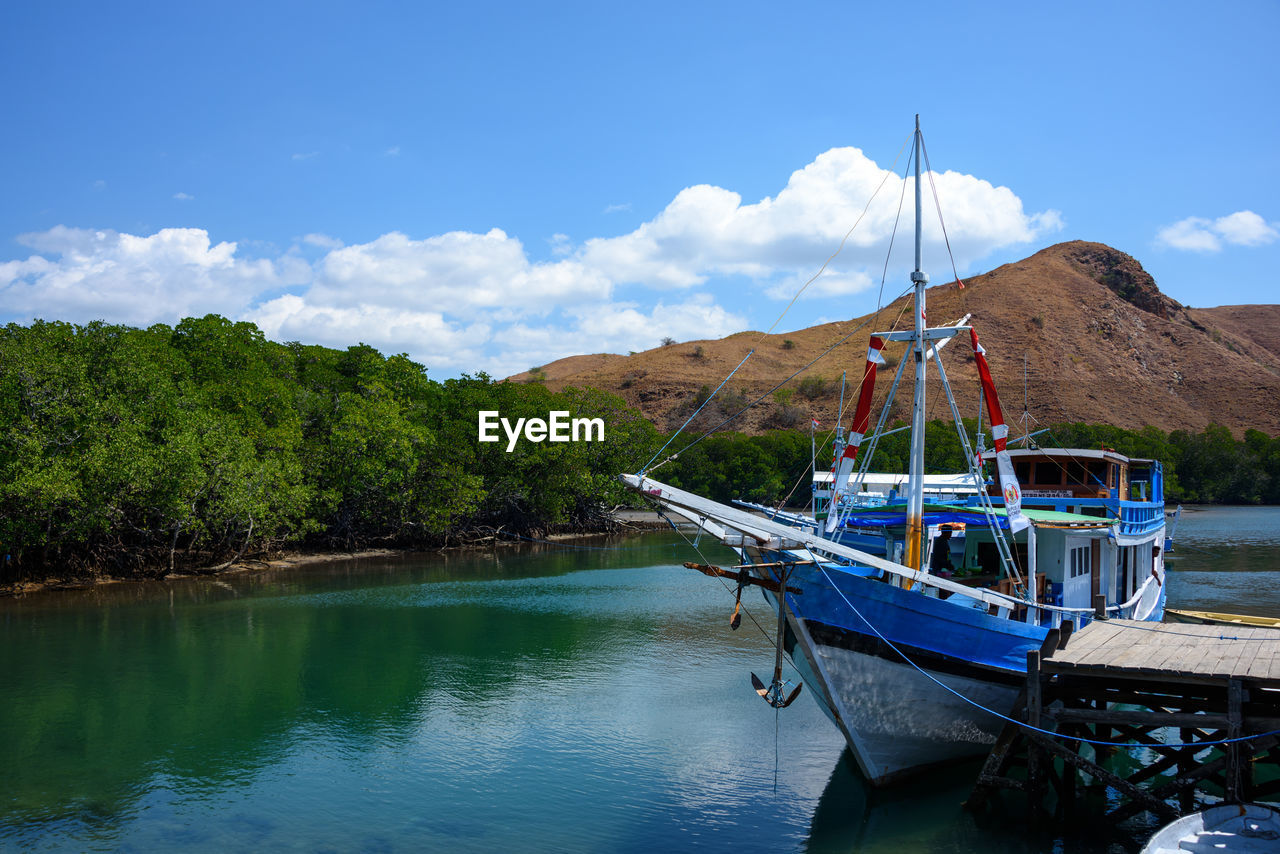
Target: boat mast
915, 481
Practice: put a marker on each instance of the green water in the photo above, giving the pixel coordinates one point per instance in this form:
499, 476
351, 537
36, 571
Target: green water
529, 699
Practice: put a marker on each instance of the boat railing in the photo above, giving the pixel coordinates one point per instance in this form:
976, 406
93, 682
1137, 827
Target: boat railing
1140, 517
1013, 604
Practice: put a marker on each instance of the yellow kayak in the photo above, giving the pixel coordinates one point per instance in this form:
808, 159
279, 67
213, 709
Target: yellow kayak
1213, 618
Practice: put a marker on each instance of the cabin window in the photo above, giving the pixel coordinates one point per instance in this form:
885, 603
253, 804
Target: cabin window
1022, 471
1115, 475
1076, 474
1080, 562
1098, 473
1048, 474
989, 556
1124, 574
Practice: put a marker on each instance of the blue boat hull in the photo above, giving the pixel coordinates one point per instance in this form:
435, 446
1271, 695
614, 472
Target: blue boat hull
857, 648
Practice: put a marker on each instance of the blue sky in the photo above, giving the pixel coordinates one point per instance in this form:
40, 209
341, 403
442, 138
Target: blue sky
491, 186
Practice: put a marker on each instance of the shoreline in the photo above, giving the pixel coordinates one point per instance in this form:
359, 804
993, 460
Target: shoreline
629, 522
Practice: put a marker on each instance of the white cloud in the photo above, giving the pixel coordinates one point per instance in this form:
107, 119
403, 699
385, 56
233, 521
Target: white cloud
393, 151
183, 197
124, 278
306, 155
1197, 234
617, 208
323, 241
426, 335
1246, 228
560, 244
464, 301
610, 328
467, 272
707, 231
827, 285
620, 327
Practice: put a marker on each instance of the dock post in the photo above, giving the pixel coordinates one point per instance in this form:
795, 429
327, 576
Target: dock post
1035, 701
1235, 788
1185, 764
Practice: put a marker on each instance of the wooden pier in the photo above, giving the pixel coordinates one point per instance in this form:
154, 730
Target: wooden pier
1170, 692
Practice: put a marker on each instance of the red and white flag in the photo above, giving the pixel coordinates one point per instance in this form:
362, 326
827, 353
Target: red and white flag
1000, 432
861, 420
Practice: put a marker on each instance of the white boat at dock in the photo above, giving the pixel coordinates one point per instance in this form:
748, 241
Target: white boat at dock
1229, 829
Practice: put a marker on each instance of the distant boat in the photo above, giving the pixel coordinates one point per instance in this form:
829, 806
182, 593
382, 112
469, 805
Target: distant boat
909, 640
1215, 618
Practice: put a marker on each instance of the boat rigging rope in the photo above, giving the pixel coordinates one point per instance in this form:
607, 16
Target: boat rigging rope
1004, 717
892, 170
645, 468
938, 204
897, 218
649, 466
694, 545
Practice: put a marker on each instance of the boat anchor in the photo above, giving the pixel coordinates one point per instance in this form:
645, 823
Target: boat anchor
743, 579
776, 693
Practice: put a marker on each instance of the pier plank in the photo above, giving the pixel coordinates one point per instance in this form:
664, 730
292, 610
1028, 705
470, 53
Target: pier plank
1264, 665
1083, 642
1178, 650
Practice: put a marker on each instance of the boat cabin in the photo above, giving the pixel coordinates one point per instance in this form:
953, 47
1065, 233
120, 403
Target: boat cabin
1058, 476
1073, 557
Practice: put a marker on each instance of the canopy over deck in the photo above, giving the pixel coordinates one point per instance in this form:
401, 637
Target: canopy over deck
895, 514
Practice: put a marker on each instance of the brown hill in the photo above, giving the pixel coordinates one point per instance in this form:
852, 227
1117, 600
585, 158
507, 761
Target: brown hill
1101, 343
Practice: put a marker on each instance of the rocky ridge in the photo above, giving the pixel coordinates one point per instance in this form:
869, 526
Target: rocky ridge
1099, 341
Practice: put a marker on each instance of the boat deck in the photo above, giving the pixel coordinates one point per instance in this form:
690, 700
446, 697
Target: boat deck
1178, 651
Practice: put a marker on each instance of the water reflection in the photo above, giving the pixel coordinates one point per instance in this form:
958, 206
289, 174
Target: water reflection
928, 815
1226, 559
531, 698
561, 698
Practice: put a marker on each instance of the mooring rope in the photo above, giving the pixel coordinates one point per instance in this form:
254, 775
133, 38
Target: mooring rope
1005, 717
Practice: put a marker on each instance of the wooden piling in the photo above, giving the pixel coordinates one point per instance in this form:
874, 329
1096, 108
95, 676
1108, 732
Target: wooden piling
1132, 682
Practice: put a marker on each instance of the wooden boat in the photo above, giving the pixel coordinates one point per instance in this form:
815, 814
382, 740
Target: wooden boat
909, 660
1215, 618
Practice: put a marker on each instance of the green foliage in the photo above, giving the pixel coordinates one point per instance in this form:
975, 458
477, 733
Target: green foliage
127, 449
732, 402
763, 468
813, 387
